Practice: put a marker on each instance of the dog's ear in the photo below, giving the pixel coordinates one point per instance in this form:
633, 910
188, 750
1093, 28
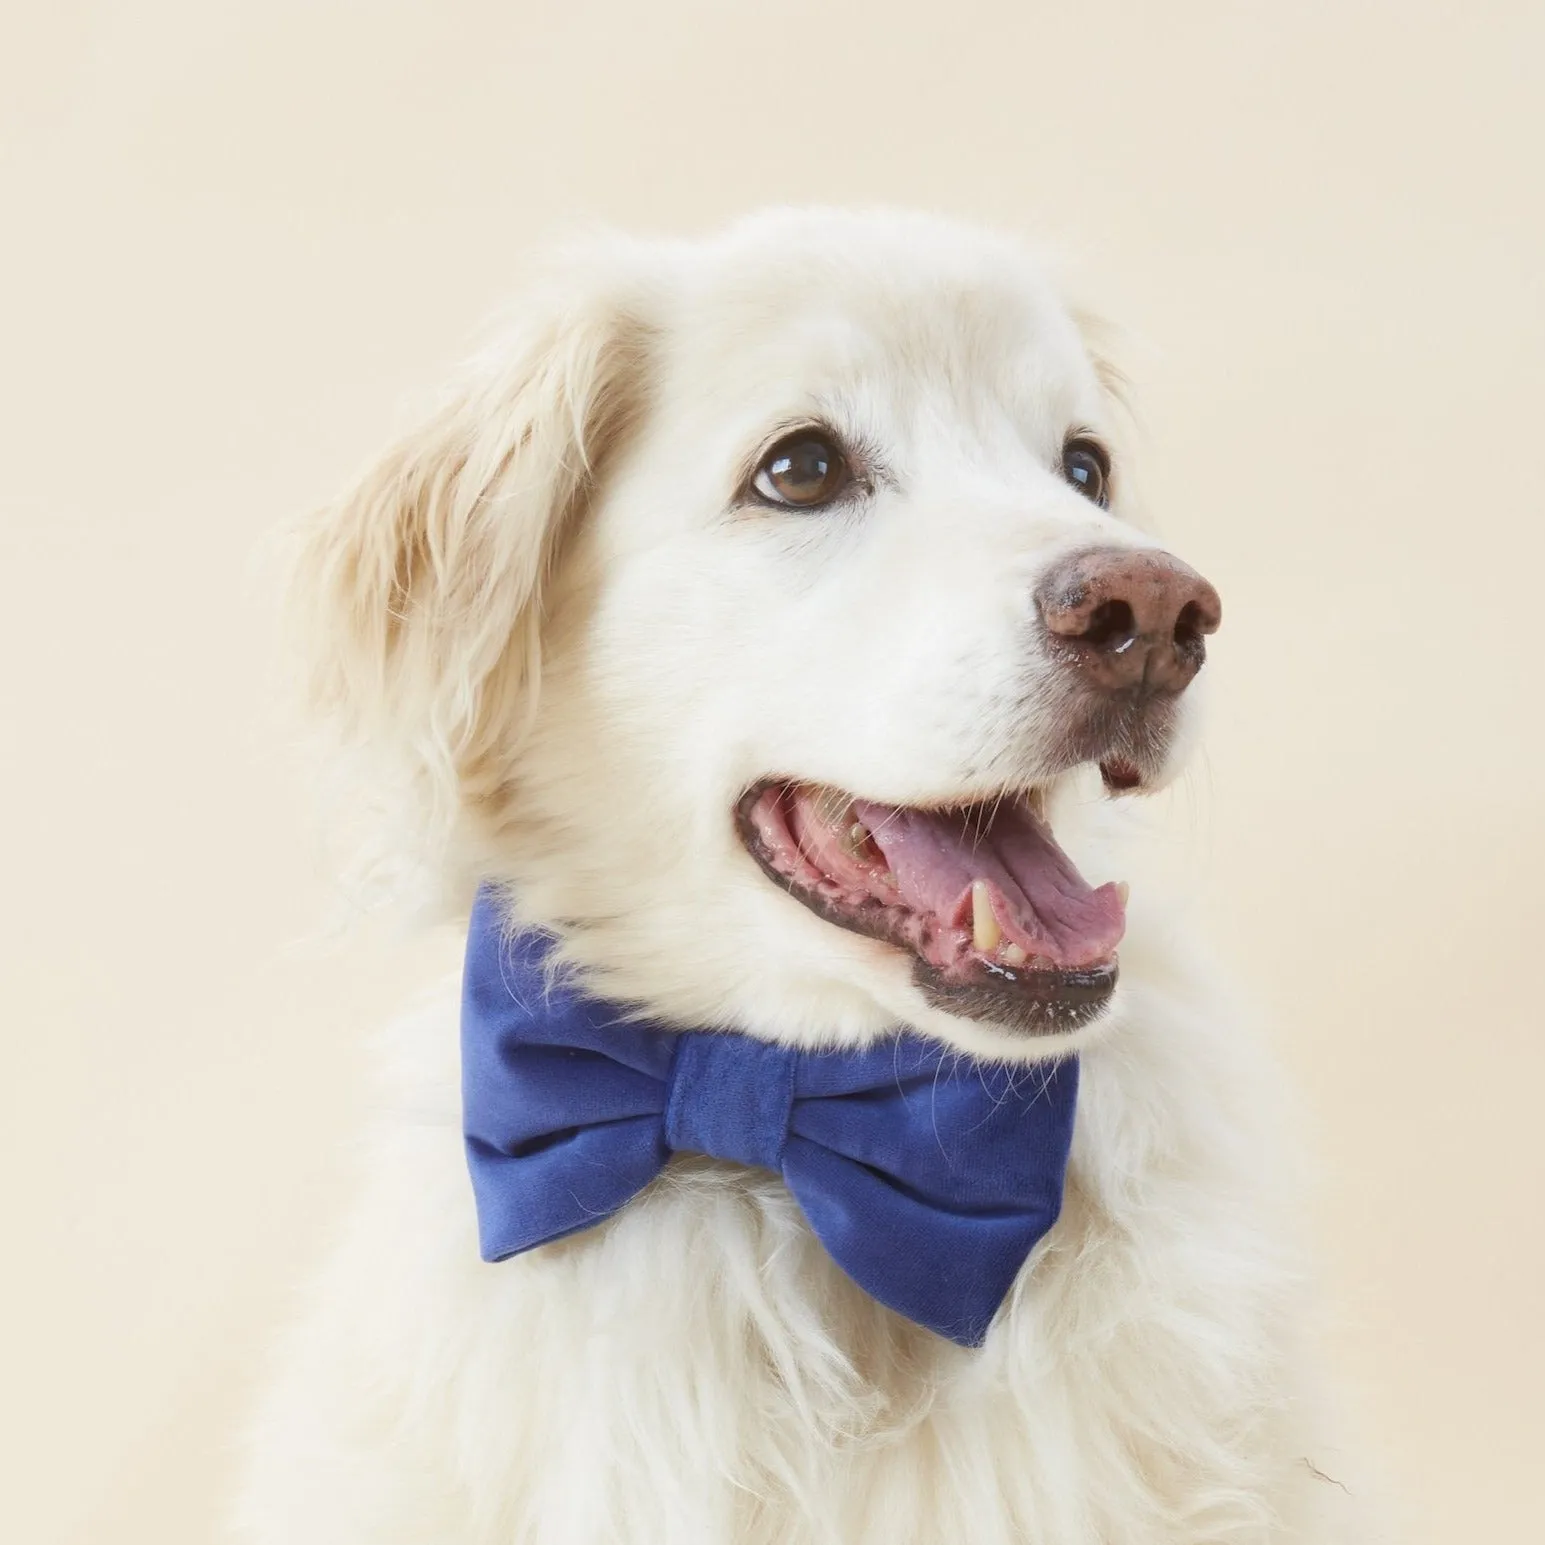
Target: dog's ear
416, 598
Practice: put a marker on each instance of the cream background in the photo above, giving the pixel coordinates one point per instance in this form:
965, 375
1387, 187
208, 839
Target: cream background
236, 236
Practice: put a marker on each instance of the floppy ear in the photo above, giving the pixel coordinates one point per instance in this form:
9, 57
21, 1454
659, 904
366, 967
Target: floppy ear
417, 597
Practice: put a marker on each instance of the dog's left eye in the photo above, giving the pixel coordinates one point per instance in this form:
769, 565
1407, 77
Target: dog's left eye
803, 470
1086, 465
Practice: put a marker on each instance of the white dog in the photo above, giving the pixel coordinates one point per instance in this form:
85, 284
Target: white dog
752, 617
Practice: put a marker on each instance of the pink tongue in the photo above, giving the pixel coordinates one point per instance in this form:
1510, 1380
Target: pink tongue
1041, 901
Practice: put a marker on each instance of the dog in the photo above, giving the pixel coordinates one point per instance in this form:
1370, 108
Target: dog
767, 624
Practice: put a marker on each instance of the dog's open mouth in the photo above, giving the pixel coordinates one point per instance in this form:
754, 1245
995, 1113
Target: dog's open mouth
1000, 922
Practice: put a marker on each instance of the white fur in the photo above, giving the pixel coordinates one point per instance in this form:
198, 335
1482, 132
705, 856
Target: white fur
562, 649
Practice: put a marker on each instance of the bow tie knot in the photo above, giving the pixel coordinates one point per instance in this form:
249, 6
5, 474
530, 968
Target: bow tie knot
730, 1098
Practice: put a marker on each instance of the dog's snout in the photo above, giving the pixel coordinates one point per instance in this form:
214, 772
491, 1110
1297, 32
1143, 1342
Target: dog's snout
1129, 618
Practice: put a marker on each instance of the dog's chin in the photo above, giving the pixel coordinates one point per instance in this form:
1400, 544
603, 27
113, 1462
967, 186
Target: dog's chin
1008, 944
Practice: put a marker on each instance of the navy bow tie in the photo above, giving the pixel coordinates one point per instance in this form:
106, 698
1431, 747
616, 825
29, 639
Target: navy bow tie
927, 1176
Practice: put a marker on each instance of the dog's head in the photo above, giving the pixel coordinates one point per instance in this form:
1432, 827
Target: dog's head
752, 610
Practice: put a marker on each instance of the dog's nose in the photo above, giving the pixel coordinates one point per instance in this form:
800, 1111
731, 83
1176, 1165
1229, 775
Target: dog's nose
1129, 618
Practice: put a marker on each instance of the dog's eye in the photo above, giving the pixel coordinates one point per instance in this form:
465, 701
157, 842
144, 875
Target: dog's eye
1086, 466
803, 470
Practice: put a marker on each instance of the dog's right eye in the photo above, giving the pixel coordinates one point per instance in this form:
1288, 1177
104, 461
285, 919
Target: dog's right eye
803, 470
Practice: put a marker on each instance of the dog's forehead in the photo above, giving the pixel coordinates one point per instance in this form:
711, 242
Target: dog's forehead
779, 329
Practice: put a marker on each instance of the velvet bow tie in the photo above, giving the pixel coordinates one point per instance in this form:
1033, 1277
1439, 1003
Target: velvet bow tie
927, 1176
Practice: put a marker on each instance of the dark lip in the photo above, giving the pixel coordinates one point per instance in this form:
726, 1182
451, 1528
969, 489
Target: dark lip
1024, 1003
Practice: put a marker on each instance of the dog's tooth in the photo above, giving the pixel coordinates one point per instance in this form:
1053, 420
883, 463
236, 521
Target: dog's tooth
856, 839
1123, 890
1012, 955
986, 935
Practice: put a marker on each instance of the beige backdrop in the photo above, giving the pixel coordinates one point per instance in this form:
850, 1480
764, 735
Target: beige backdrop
235, 236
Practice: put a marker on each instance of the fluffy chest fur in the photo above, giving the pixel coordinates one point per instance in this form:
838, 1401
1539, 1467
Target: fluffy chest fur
697, 1370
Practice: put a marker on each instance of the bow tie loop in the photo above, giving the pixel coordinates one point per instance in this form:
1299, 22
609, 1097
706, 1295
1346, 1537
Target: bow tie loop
730, 1098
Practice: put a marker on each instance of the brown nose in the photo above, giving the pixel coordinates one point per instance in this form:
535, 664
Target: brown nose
1128, 618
